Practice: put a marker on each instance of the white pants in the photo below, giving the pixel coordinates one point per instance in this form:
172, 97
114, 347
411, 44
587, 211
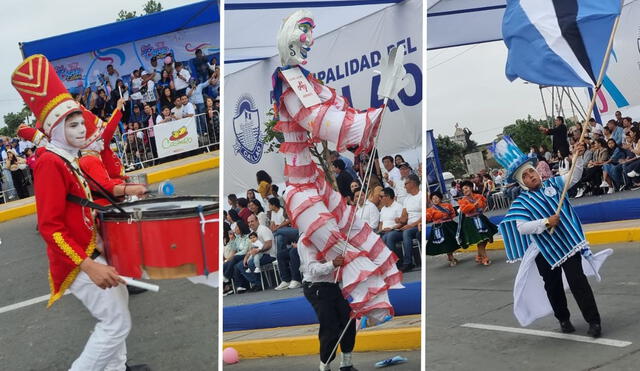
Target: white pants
106, 349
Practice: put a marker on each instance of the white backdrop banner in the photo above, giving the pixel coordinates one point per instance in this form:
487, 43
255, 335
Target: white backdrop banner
343, 59
176, 136
84, 69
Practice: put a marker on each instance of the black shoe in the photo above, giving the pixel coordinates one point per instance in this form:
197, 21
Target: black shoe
594, 330
406, 268
348, 368
135, 290
566, 327
141, 367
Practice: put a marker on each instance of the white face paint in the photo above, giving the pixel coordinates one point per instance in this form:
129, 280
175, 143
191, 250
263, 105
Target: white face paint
295, 38
75, 131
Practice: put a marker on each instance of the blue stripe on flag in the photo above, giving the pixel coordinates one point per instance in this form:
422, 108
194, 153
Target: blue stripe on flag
529, 57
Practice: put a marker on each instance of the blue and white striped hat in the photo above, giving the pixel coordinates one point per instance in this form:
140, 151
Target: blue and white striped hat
509, 156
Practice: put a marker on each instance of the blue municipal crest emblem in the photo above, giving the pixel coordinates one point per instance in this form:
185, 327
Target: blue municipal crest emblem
246, 128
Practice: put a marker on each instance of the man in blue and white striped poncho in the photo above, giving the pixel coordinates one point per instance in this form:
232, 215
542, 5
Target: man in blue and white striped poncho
527, 233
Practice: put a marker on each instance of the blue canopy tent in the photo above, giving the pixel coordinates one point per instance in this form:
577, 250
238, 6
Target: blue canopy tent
79, 57
100, 37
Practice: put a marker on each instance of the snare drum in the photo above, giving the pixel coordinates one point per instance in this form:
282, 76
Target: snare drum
162, 238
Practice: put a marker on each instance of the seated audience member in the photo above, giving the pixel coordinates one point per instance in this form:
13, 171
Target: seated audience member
243, 279
411, 218
244, 212
343, 178
284, 236
390, 219
235, 250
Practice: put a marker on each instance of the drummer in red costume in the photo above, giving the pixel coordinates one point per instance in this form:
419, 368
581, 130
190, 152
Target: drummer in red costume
100, 164
68, 228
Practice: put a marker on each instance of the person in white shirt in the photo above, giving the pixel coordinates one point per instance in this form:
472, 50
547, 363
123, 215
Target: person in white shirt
181, 77
285, 236
391, 173
241, 277
255, 244
155, 71
111, 77
369, 207
412, 217
23, 145
390, 219
331, 308
148, 96
188, 110
398, 185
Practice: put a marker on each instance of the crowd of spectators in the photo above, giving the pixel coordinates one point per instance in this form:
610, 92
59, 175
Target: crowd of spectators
611, 160
18, 159
258, 232
156, 95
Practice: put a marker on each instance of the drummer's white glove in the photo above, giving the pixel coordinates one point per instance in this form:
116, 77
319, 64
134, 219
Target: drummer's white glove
393, 76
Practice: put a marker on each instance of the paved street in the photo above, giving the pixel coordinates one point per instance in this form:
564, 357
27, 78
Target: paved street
361, 361
472, 294
174, 329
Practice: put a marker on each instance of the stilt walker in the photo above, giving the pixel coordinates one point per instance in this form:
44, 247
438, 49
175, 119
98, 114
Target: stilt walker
340, 255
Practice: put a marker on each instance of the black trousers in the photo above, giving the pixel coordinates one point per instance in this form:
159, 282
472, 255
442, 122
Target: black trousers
333, 314
578, 284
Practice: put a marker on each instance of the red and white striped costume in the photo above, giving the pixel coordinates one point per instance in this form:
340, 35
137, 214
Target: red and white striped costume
318, 211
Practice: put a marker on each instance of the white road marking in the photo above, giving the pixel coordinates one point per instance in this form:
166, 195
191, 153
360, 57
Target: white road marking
26, 303
551, 334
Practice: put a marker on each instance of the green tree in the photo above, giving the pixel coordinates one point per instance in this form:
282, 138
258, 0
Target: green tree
525, 133
149, 7
451, 155
13, 119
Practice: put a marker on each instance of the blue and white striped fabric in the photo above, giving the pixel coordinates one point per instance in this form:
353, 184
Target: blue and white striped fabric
567, 238
558, 42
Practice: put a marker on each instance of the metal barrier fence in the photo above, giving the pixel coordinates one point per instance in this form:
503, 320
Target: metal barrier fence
8, 191
134, 153
137, 149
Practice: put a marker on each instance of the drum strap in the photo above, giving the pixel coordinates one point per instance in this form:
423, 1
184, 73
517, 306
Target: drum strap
86, 203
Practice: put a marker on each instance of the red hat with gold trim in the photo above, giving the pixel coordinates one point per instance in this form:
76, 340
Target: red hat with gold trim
33, 135
36, 81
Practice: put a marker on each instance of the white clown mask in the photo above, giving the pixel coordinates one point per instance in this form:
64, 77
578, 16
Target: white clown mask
295, 38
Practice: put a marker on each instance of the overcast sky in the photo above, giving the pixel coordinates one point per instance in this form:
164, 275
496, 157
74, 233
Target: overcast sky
29, 20
467, 84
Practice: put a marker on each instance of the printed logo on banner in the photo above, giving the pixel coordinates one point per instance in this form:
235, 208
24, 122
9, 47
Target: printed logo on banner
246, 127
69, 72
159, 50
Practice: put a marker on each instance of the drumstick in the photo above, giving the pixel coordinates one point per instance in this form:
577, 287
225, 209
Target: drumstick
140, 284
120, 90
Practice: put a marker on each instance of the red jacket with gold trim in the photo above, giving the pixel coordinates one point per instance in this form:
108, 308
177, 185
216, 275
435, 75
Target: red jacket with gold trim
111, 161
93, 166
67, 228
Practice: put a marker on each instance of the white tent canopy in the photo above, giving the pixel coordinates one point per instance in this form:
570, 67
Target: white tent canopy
462, 22
248, 17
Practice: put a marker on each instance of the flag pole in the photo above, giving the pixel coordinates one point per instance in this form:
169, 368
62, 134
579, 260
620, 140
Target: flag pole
585, 124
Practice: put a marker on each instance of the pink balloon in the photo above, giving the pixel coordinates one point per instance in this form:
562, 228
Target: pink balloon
167, 60
230, 356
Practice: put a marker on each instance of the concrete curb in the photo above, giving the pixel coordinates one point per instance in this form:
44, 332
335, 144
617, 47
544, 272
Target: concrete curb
152, 177
406, 338
603, 237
